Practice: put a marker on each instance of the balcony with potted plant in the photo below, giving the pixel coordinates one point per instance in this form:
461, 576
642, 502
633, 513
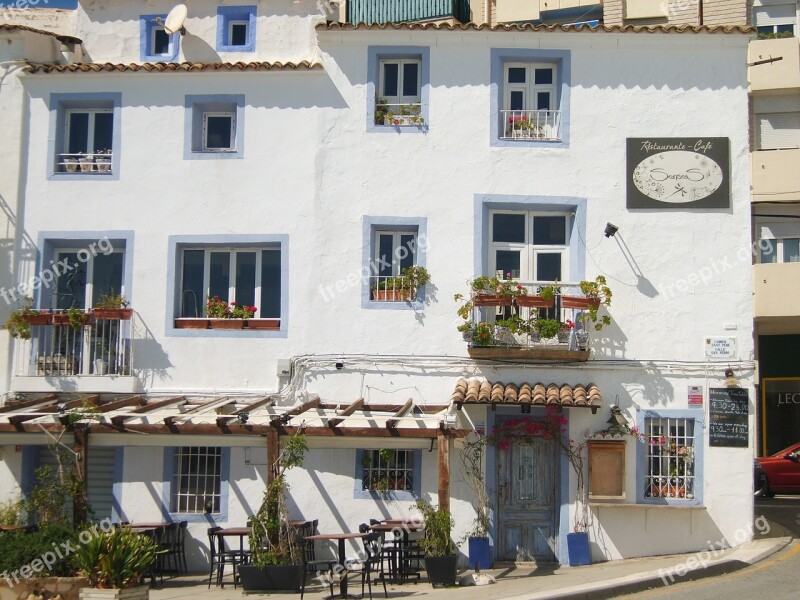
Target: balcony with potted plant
221, 314
400, 288
507, 320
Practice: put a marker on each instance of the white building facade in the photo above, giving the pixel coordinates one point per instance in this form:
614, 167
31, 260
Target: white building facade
245, 160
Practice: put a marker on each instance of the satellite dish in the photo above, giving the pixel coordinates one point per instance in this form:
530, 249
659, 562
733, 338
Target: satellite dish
175, 19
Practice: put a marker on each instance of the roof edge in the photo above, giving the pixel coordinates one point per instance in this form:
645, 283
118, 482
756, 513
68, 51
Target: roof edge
517, 27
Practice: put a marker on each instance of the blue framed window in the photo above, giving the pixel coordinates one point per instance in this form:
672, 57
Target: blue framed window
246, 269
530, 97
84, 134
669, 462
392, 244
392, 473
398, 88
196, 482
156, 45
236, 28
213, 127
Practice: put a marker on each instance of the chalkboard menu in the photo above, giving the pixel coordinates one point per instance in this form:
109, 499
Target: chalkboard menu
728, 413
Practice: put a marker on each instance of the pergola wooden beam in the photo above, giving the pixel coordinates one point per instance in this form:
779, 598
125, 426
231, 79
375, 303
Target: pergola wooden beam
17, 420
405, 409
444, 470
81, 470
234, 428
151, 406
28, 403
389, 408
298, 410
71, 404
124, 403
346, 412
266, 401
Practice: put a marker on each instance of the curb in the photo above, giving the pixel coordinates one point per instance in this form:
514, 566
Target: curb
611, 588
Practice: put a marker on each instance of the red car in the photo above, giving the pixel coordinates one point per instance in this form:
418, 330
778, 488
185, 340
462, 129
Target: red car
779, 473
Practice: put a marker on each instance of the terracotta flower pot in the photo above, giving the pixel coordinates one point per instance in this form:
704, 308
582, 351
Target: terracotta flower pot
266, 324
226, 323
191, 323
399, 295
118, 314
579, 302
534, 302
491, 300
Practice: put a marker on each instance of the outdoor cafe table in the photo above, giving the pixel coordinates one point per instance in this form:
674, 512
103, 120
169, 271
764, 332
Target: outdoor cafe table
240, 532
399, 556
340, 537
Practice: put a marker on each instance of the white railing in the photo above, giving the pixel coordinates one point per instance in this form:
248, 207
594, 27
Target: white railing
390, 289
542, 125
398, 115
100, 347
97, 162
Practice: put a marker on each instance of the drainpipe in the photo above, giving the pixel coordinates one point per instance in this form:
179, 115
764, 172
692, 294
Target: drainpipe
699, 12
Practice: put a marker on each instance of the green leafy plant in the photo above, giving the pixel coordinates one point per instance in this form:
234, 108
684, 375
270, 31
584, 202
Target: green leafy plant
483, 334
11, 512
386, 454
382, 486
22, 547
549, 292
517, 325
272, 540
596, 290
111, 301
18, 323
77, 317
217, 308
547, 328
438, 526
117, 559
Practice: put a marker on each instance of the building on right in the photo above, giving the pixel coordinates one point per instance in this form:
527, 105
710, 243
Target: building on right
774, 80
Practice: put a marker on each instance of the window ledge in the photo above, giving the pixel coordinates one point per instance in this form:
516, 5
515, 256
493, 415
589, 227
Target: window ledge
630, 505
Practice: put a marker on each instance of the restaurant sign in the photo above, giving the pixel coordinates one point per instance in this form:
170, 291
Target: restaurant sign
678, 173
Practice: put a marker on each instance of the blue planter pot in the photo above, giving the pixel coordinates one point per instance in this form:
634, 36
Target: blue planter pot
578, 549
480, 553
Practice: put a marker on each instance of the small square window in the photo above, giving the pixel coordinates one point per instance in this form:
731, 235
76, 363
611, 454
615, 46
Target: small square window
236, 28
213, 127
159, 41
156, 44
218, 131
237, 33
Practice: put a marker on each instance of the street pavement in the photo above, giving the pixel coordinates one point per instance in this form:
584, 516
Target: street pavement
532, 582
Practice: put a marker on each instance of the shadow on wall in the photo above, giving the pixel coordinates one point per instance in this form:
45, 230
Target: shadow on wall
150, 361
631, 532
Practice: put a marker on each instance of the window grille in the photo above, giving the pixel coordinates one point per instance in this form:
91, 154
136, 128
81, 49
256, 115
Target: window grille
669, 458
387, 470
197, 480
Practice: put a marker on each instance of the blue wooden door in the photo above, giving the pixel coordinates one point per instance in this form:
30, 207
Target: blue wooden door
526, 489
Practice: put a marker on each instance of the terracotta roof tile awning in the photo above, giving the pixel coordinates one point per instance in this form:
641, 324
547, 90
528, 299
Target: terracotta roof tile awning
163, 67
476, 391
517, 27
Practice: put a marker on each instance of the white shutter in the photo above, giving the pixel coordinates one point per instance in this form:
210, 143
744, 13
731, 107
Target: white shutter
775, 230
776, 131
101, 477
776, 14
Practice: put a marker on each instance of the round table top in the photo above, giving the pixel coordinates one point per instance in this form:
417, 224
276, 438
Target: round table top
410, 526
336, 536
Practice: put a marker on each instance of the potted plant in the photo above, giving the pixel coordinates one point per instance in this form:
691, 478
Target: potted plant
480, 552
595, 294
225, 316
547, 328
86, 162
19, 321
115, 563
402, 288
74, 317
276, 555
544, 298
70, 164
112, 306
103, 160
441, 559
493, 291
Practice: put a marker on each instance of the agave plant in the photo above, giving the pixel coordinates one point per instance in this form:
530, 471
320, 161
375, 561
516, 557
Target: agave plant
116, 559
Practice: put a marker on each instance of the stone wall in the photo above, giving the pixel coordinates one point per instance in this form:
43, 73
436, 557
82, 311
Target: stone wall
48, 588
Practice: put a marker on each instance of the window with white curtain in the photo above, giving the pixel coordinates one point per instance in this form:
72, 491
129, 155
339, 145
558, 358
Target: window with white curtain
775, 19
778, 241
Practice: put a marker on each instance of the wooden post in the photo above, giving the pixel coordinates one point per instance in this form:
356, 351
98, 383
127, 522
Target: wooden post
80, 469
444, 471
273, 450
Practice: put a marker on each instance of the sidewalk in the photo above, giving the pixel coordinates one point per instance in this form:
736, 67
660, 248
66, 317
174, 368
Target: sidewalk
531, 582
